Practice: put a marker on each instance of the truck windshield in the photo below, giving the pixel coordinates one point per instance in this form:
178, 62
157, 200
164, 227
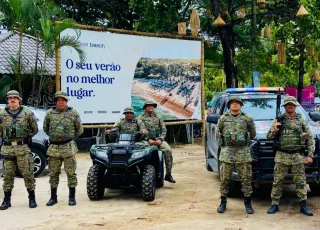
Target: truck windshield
265, 108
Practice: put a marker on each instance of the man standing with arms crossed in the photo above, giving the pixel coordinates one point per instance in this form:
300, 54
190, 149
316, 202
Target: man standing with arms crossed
235, 130
293, 137
18, 126
62, 124
157, 132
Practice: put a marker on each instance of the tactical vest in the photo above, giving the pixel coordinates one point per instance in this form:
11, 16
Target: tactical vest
14, 126
129, 127
153, 125
61, 125
292, 135
234, 131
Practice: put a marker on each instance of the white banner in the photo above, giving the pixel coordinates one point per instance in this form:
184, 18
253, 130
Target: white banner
126, 70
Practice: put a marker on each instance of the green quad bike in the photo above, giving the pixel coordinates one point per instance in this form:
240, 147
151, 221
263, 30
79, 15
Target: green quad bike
123, 164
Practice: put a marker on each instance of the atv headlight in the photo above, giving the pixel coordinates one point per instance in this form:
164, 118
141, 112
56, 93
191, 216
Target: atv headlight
137, 155
101, 155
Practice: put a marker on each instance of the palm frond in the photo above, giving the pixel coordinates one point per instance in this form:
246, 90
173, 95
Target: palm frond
5, 84
65, 24
72, 42
8, 13
14, 64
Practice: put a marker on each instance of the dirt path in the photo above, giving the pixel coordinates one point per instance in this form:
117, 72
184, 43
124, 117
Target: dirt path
189, 204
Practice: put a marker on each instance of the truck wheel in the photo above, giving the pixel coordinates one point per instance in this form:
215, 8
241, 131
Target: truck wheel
148, 183
197, 132
95, 185
315, 189
39, 163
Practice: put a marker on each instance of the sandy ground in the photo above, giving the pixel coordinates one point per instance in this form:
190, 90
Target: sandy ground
189, 204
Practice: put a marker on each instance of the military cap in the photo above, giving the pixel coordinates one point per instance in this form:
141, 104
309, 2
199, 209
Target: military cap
60, 94
128, 110
149, 103
290, 100
13, 93
234, 98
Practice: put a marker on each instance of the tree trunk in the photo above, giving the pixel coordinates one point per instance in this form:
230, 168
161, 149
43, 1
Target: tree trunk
301, 71
42, 76
19, 74
227, 40
35, 74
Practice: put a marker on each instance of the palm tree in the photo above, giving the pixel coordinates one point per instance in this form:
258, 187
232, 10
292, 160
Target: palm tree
50, 31
18, 14
46, 32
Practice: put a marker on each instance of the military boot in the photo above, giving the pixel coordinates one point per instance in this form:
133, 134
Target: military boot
53, 200
304, 209
72, 196
247, 204
32, 199
6, 201
223, 206
273, 209
169, 178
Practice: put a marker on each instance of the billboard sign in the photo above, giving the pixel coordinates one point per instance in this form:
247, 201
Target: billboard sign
123, 70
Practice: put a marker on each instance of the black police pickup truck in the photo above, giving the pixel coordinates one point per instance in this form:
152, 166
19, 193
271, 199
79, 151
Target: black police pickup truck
259, 103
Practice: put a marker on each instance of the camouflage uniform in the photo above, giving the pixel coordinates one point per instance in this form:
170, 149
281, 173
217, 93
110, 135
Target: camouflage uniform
292, 140
62, 127
129, 126
157, 130
17, 126
235, 134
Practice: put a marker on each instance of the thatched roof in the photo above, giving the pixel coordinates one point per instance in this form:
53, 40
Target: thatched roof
9, 45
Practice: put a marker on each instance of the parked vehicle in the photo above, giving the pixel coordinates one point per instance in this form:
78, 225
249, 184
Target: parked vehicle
125, 163
260, 103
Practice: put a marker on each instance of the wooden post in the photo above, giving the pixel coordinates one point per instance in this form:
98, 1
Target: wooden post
203, 107
58, 75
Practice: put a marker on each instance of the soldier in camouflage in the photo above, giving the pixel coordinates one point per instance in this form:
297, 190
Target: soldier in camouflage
62, 124
293, 137
157, 133
129, 124
18, 126
235, 129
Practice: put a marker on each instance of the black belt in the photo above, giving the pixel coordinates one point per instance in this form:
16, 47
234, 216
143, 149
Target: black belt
15, 143
291, 151
52, 142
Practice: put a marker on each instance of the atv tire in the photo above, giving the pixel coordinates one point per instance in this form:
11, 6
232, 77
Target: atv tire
148, 183
160, 177
95, 184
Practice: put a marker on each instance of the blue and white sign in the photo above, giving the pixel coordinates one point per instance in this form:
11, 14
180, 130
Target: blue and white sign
126, 70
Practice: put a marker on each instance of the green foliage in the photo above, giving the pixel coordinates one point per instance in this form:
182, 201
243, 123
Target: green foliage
156, 16
214, 81
5, 83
